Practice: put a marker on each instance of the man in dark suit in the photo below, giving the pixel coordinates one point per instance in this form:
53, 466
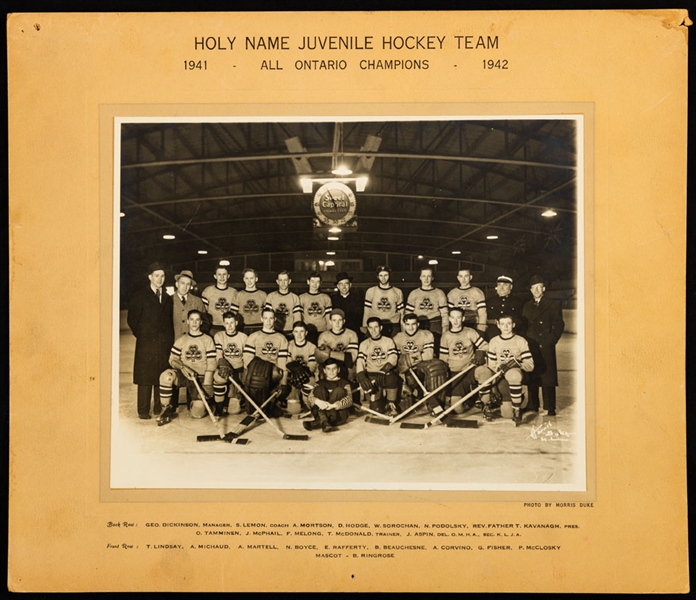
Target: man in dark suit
150, 319
349, 301
545, 325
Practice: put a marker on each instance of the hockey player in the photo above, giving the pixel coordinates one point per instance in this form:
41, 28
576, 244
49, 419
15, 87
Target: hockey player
219, 298
413, 345
285, 304
429, 304
376, 369
503, 303
271, 347
229, 348
510, 353
459, 347
251, 302
339, 343
192, 356
471, 300
330, 400
384, 302
301, 358
544, 329
315, 307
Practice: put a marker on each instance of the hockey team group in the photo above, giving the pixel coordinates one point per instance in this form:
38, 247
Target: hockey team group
320, 357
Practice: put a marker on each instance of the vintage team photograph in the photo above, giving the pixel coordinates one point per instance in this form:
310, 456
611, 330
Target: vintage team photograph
349, 303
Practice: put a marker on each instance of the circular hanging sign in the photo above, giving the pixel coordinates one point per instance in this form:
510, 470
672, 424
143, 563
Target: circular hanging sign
334, 203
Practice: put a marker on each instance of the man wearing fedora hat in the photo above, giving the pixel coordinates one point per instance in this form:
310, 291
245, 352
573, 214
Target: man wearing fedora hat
150, 320
184, 301
350, 301
544, 328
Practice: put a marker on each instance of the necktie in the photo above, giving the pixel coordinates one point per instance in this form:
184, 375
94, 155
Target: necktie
159, 295
183, 300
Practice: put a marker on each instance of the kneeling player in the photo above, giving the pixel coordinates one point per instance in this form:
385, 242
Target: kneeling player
509, 353
460, 347
376, 369
229, 348
330, 400
414, 346
192, 356
301, 367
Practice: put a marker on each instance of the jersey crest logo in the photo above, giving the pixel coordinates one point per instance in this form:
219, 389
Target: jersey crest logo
426, 305
269, 350
459, 349
315, 310
282, 310
384, 305
222, 305
193, 353
409, 347
300, 359
250, 307
506, 354
464, 303
378, 355
232, 351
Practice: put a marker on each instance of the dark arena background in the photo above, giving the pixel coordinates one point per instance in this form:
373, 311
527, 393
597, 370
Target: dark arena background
497, 196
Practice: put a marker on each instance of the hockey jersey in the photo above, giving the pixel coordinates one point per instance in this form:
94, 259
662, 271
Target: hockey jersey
386, 304
315, 308
271, 347
231, 348
346, 341
251, 305
219, 301
414, 348
303, 354
472, 301
457, 347
195, 351
501, 350
430, 303
286, 308
374, 354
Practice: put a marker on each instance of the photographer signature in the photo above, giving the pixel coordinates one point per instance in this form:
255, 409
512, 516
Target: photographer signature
547, 433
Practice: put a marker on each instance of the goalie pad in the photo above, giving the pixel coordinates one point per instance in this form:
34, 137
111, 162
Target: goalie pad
433, 372
258, 374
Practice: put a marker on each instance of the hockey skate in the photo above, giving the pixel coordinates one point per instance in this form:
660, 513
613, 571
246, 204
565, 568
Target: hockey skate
167, 415
517, 416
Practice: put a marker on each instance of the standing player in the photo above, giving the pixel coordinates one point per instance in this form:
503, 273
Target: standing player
471, 300
544, 328
285, 304
315, 307
384, 302
350, 301
376, 369
503, 303
510, 353
229, 348
340, 344
192, 356
251, 302
459, 347
219, 298
271, 347
429, 304
414, 345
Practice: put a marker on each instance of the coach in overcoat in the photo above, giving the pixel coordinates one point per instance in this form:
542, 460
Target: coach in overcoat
150, 320
545, 326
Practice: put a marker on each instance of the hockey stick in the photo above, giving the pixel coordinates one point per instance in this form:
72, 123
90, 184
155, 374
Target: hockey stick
464, 424
380, 420
429, 395
285, 436
249, 420
216, 421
